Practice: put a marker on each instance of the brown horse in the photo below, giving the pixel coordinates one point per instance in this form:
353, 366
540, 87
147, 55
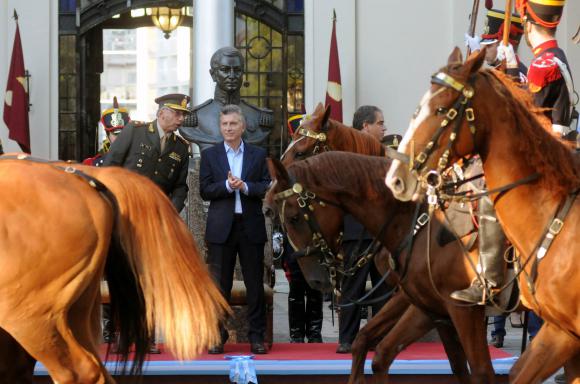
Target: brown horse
58, 236
343, 182
514, 142
318, 134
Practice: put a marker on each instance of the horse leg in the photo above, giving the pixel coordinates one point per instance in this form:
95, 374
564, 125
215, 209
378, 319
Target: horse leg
572, 369
471, 328
373, 331
49, 339
16, 365
548, 351
454, 351
411, 326
85, 324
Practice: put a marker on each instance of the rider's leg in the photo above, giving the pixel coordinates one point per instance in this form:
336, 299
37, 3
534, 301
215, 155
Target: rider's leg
491, 249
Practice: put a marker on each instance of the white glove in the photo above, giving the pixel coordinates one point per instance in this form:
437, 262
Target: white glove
472, 42
508, 54
277, 243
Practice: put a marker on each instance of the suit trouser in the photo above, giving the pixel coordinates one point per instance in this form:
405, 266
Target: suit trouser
222, 261
353, 288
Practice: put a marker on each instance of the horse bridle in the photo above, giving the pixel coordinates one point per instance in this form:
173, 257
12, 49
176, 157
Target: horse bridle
320, 145
318, 244
462, 107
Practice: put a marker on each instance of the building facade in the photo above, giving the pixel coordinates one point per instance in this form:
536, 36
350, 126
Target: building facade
387, 50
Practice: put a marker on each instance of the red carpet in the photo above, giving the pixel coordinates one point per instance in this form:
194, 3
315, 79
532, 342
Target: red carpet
326, 351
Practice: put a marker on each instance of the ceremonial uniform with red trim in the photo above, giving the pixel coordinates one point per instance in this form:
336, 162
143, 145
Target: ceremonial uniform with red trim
547, 84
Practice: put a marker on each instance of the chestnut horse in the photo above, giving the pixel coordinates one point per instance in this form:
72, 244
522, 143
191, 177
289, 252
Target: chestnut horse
344, 182
318, 134
514, 142
63, 227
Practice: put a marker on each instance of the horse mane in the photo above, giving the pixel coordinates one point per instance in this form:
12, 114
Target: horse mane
355, 140
538, 146
343, 173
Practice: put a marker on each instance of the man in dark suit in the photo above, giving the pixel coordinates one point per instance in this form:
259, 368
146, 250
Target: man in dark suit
234, 178
154, 150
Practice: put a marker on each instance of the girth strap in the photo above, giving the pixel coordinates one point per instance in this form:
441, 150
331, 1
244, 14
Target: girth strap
552, 230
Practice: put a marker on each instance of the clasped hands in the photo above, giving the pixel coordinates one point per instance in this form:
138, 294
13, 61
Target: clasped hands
235, 182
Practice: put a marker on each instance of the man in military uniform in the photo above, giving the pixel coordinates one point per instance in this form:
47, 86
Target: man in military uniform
154, 150
203, 126
491, 38
113, 121
549, 76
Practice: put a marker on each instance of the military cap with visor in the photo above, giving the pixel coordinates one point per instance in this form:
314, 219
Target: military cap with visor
546, 13
175, 101
494, 25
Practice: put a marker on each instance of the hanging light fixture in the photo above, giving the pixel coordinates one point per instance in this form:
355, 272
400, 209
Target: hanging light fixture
167, 19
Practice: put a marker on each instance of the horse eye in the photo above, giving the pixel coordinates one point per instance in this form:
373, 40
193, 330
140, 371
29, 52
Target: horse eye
294, 219
441, 111
299, 154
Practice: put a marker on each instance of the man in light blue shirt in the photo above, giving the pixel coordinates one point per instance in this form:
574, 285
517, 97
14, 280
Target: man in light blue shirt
234, 178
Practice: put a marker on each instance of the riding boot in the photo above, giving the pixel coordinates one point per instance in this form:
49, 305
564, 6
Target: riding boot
492, 245
313, 315
296, 314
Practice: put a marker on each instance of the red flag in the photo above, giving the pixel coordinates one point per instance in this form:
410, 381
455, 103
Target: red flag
334, 87
16, 99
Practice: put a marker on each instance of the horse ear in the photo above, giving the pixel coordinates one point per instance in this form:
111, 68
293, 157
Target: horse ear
278, 172
325, 117
455, 57
475, 61
319, 108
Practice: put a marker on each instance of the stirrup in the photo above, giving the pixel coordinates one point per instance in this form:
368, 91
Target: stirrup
476, 293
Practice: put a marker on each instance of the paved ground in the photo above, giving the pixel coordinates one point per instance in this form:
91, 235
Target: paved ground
512, 342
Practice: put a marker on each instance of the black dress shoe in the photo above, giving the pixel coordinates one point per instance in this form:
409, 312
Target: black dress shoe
344, 348
497, 341
216, 350
560, 378
259, 348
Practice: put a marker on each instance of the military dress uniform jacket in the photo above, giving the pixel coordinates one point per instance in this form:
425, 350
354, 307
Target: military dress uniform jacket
138, 148
547, 84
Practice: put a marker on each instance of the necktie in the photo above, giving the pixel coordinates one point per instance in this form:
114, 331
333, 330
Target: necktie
164, 140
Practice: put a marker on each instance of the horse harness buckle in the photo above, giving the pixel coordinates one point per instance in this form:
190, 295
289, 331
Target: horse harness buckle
556, 227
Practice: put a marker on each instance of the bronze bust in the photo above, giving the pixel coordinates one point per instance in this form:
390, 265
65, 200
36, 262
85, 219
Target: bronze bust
202, 125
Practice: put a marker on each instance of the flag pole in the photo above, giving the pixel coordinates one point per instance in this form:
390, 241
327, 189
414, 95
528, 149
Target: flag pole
507, 22
473, 21
15, 16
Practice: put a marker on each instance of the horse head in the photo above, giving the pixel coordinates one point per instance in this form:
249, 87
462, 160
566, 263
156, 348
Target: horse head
310, 138
308, 219
439, 129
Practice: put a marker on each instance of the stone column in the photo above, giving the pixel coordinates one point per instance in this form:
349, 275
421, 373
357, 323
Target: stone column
213, 28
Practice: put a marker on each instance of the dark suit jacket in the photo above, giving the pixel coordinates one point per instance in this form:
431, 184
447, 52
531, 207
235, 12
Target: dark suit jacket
213, 174
138, 148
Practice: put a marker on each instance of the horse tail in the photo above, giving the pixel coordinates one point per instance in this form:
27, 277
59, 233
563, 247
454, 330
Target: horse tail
161, 279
